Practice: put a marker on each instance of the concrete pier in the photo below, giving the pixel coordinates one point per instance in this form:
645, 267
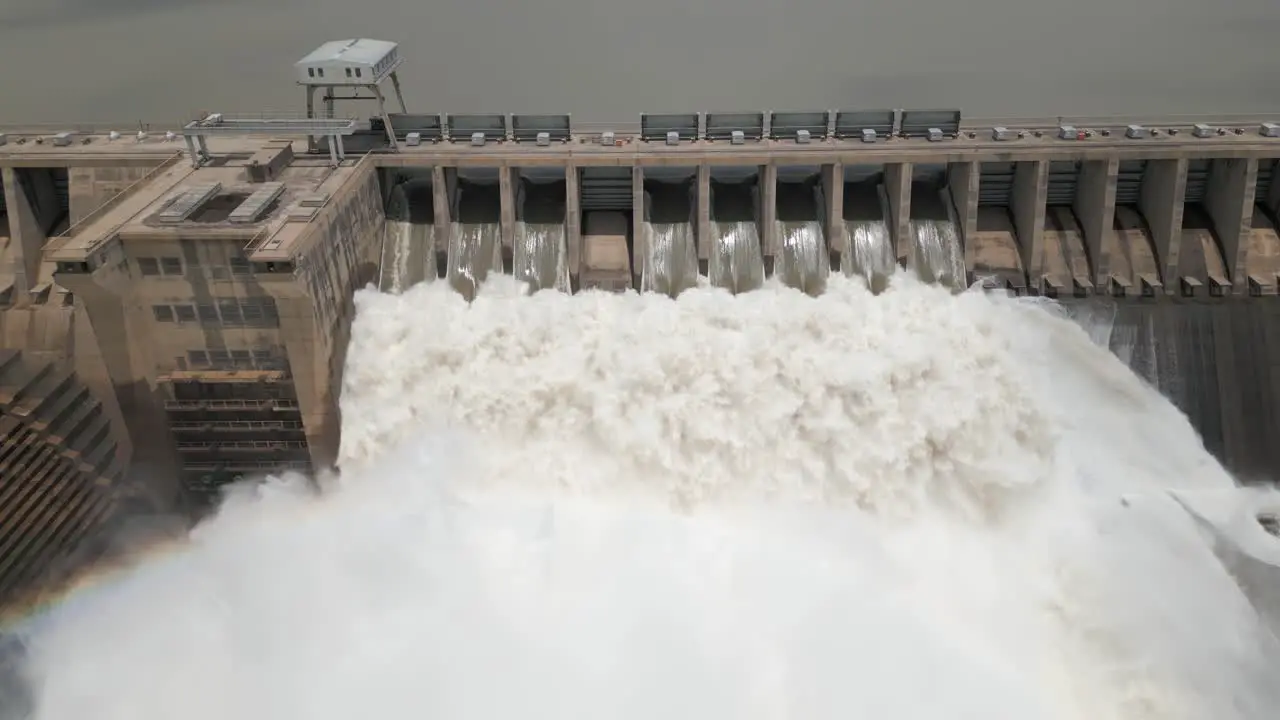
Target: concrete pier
897, 185
1030, 183
1095, 207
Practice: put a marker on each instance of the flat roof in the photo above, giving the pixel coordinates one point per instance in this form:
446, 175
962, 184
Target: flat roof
353, 50
135, 216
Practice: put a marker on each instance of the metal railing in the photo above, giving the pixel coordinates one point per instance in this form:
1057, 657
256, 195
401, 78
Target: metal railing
626, 129
119, 197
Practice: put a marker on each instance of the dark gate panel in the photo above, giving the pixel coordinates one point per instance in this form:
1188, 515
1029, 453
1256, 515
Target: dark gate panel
917, 123
720, 126
462, 127
851, 123
656, 126
1129, 181
995, 183
1064, 175
525, 128
1197, 180
786, 124
606, 188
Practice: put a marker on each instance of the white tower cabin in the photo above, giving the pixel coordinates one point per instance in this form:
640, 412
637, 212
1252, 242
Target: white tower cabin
352, 64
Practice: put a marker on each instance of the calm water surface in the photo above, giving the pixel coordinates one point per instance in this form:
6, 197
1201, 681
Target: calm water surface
603, 60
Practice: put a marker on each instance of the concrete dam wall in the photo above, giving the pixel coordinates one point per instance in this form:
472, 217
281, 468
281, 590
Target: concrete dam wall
1218, 361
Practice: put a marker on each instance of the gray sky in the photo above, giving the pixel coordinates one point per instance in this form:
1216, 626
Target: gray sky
602, 60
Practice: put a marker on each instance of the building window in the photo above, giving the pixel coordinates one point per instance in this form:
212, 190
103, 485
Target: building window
348, 72
220, 359
240, 360
171, 265
320, 72
217, 272
230, 312
357, 72
241, 266
198, 358
311, 72
163, 313
208, 314
148, 266
184, 313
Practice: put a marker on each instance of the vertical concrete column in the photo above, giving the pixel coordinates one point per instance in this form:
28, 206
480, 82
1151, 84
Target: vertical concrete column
104, 297
833, 193
703, 211
639, 220
767, 213
1229, 201
507, 198
27, 237
897, 185
962, 183
573, 219
1095, 207
1164, 189
1027, 202
441, 199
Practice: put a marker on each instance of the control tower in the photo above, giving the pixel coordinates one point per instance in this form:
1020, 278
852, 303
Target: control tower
351, 66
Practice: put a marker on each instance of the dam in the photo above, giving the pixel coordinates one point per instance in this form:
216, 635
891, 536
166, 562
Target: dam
177, 302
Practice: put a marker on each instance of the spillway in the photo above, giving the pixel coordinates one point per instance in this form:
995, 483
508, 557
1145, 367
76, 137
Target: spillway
409, 241
961, 502
871, 251
541, 256
803, 261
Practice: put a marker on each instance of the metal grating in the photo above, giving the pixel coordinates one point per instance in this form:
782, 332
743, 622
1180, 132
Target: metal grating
785, 125
1266, 171
186, 203
655, 127
1197, 181
606, 188
916, 123
1064, 176
460, 128
995, 183
1129, 182
721, 126
255, 205
525, 128
62, 187
851, 123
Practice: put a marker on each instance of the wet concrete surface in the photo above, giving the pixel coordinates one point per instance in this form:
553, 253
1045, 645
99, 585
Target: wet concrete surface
1216, 359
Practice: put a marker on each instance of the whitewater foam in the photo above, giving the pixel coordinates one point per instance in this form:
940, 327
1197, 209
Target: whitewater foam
909, 506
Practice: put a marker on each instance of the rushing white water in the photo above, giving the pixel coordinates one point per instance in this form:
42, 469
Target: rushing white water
872, 253
803, 261
936, 255
541, 256
915, 505
735, 262
408, 255
669, 260
475, 250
